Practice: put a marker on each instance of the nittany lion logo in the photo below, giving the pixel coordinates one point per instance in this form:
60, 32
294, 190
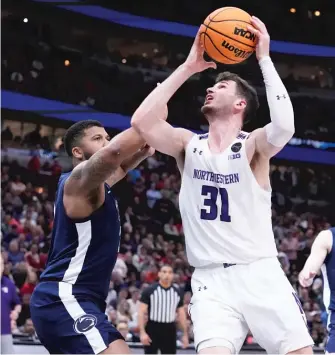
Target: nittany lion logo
85, 323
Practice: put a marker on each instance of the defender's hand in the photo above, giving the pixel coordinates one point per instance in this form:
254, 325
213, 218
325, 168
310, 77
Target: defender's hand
195, 61
263, 42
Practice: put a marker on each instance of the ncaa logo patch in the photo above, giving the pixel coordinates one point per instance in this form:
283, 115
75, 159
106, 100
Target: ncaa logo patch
236, 147
85, 323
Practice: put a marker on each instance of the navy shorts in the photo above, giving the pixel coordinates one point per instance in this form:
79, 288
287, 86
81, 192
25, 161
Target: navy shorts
330, 346
68, 324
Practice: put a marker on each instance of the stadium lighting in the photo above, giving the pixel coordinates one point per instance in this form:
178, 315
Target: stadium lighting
293, 10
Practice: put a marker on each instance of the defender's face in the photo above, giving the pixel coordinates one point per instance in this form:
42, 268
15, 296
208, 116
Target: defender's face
221, 97
94, 139
166, 274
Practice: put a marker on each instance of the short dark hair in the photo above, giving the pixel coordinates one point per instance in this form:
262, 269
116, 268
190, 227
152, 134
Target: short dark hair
74, 134
166, 265
245, 90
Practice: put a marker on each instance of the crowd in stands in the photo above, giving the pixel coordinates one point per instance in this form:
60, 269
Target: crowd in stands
113, 81
152, 234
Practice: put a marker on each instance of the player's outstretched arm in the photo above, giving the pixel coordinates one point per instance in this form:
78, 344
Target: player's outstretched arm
146, 120
92, 173
130, 164
320, 248
274, 136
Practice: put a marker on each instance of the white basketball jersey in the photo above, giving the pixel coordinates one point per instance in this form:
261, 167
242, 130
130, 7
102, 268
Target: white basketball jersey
226, 214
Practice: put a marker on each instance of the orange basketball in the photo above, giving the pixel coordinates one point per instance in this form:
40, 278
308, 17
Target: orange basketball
225, 36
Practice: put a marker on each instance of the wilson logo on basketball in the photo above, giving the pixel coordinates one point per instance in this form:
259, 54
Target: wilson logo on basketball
244, 33
239, 53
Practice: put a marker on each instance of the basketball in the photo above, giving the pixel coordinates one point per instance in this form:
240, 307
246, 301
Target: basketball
225, 36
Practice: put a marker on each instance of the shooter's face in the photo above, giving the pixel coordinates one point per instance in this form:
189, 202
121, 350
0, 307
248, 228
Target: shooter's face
223, 99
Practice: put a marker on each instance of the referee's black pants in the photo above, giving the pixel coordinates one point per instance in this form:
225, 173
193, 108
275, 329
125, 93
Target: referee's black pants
163, 337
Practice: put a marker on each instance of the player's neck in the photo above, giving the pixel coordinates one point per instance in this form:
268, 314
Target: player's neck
223, 132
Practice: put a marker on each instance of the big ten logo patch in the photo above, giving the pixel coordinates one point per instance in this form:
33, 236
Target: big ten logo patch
235, 148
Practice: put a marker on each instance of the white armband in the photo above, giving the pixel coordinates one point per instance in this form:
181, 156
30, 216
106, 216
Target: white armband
281, 128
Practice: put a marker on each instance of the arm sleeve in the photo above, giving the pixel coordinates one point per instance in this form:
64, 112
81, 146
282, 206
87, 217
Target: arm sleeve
281, 128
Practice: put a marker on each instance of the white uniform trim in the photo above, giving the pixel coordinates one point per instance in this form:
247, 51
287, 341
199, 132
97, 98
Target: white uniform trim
84, 231
74, 309
326, 291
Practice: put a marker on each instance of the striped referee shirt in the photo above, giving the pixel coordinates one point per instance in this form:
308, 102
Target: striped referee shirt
162, 302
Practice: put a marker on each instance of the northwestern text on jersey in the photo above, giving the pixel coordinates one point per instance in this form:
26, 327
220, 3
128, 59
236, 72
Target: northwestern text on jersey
213, 177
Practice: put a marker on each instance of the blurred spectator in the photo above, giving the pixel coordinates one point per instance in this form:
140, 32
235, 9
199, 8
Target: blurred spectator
123, 328
154, 236
10, 310
15, 255
134, 301
27, 329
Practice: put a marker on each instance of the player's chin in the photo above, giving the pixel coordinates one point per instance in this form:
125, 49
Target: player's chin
206, 108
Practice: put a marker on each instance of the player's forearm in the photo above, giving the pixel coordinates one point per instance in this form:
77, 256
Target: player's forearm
281, 128
314, 262
182, 320
152, 107
132, 162
104, 162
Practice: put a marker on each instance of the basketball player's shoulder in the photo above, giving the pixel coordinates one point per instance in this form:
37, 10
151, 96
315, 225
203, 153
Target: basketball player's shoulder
325, 238
185, 135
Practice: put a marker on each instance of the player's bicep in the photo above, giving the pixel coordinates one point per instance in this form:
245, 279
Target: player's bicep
164, 137
262, 144
90, 174
322, 245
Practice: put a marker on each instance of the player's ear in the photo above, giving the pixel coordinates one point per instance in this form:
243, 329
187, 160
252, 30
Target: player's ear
77, 152
240, 104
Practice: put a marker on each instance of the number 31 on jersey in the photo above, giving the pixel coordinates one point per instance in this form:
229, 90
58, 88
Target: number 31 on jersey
212, 194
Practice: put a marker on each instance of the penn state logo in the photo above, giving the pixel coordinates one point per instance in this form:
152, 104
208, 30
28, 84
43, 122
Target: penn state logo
236, 147
85, 323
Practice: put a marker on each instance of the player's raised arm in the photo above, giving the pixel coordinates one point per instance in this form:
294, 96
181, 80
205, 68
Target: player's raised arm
274, 136
90, 174
320, 248
130, 164
147, 118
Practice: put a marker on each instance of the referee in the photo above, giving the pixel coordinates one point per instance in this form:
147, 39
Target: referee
161, 301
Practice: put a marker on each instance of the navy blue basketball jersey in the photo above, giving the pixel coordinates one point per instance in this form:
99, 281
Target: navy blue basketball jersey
328, 272
83, 252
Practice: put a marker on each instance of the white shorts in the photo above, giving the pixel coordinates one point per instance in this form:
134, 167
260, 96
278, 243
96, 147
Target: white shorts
227, 302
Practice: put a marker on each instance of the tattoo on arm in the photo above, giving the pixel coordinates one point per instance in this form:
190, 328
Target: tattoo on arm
89, 175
